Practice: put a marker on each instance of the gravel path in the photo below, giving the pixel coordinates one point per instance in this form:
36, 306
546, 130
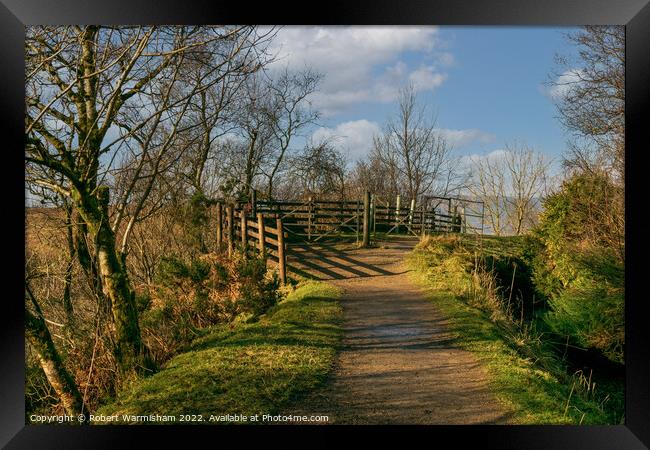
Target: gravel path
398, 364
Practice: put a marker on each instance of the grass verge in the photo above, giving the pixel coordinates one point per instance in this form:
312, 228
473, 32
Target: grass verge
527, 379
245, 368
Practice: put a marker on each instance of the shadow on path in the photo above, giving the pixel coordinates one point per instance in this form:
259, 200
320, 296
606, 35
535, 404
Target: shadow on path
398, 363
326, 262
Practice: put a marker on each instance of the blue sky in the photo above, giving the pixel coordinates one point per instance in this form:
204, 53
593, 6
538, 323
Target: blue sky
485, 83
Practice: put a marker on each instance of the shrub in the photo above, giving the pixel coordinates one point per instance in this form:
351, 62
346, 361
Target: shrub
202, 291
577, 267
589, 307
483, 280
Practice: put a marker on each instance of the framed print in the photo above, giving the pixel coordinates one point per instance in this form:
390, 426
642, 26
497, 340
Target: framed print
386, 219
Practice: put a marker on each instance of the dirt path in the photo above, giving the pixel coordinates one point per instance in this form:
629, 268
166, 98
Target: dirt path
398, 364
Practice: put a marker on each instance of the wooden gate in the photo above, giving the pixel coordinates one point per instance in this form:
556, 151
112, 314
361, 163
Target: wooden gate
433, 214
314, 220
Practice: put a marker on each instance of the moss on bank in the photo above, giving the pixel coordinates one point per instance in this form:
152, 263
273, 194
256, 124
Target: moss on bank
246, 368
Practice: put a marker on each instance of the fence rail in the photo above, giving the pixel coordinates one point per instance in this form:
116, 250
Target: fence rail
267, 225
237, 227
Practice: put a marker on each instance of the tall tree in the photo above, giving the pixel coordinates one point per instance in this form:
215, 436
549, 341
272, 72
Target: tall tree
290, 113
489, 186
527, 175
510, 184
92, 93
413, 149
237, 61
591, 98
255, 125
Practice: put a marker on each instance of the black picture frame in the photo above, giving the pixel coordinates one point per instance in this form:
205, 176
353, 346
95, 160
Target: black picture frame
634, 14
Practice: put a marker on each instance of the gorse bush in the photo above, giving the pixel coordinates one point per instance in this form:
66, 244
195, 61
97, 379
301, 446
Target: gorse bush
491, 280
577, 268
588, 209
196, 212
584, 289
205, 290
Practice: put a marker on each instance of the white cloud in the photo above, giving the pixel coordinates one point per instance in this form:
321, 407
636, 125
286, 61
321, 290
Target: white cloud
426, 78
353, 59
564, 83
446, 59
494, 156
355, 137
461, 138
350, 49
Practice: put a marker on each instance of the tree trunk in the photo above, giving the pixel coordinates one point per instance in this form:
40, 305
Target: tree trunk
89, 263
283, 149
40, 339
130, 352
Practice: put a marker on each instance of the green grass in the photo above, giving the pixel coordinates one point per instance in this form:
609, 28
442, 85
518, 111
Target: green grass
246, 368
528, 380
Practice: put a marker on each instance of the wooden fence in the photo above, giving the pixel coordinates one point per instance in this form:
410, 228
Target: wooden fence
264, 224
238, 227
433, 215
314, 220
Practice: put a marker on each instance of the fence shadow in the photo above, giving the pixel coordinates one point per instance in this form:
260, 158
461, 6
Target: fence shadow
325, 262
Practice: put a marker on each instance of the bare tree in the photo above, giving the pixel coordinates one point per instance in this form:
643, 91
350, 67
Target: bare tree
319, 170
413, 150
510, 184
489, 186
591, 100
289, 114
237, 60
256, 129
93, 93
272, 109
527, 174
591, 106
373, 176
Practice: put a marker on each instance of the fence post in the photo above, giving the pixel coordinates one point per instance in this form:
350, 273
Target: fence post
310, 211
463, 222
219, 226
411, 211
261, 236
244, 230
231, 229
366, 219
372, 213
281, 256
254, 203
397, 214
357, 219
423, 230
